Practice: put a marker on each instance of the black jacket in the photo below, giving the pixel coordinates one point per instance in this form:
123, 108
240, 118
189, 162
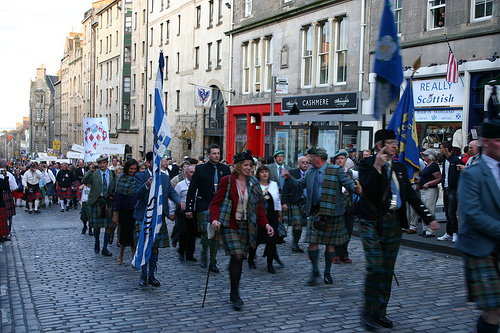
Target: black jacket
174, 172
454, 173
289, 194
373, 182
203, 182
79, 174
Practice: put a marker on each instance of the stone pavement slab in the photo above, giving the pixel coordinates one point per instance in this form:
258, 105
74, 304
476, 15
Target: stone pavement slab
51, 281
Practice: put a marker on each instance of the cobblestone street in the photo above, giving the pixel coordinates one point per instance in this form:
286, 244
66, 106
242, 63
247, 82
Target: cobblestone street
51, 281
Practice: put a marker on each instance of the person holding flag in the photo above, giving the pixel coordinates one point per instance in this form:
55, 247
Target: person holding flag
152, 189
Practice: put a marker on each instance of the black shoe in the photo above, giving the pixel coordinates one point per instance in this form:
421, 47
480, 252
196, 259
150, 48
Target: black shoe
181, 257
203, 263
383, 321
296, 248
36, 211
193, 259
328, 278
312, 281
154, 282
67, 208
106, 253
30, 212
429, 236
236, 302
251, 265
214, 269
62, 210
271, 269
143, 281
84, 230
369, 322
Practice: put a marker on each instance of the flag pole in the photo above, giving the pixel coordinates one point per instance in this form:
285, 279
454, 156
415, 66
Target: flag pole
228, 91
449, 46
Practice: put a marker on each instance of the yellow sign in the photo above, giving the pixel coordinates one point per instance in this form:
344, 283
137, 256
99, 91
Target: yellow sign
56, 145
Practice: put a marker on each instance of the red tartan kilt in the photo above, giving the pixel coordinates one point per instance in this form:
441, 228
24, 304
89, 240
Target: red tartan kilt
77, 192
9, 203
68, 194
4, 222
34, 196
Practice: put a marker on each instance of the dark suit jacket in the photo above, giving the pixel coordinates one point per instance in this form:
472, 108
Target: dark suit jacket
203, 182
291, 195
79, 174
372, 183
454, 173
141, 193
174, 172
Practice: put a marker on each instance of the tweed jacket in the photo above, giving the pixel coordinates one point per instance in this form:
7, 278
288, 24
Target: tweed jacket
94, 179
203, 181
372, 181
308, 182
479, 208
141, 193
291, 195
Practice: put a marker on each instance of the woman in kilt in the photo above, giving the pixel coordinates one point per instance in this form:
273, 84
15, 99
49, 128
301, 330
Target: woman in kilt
237, 211
271, 194
123, 207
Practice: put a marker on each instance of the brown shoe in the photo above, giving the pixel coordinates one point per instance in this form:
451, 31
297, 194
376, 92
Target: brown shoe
411, 231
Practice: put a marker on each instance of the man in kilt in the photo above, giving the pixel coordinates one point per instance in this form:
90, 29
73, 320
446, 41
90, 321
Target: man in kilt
142, 184
64, 186
102, 183
32, 193
293, 201
7, 194
4, 216
382, 212
479, 233
325, 208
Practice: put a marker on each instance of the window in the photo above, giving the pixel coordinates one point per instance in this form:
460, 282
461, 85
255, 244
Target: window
143, 47
143, 16
151, 37
436, 14
219, 54
165, 102
161, 5
323, 52
168, 32
256, 64
307, 45
209, 58
110, 42
142, 80
152, 5
178, 100
241, 132
150, 70
100, 46
221, 8
135, 21
482, 9
341, 50
161, 34
150, 103
178, 62
210, 13
198, 16
268, 61
134, 86
398, 14
116, 34
246, 68
197, 57
165, 73
248, 8
179, 27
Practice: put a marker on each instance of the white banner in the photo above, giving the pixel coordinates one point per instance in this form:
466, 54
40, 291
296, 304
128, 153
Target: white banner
75, 154
202, 97
110, 149
439, 116
437, 92
95, 131
78, 148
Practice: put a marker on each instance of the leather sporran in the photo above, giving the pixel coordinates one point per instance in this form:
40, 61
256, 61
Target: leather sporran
319, 222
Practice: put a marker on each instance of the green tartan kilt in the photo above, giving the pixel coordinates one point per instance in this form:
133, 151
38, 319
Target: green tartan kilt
335, 233
162, 241
483, 281
294, 215
84, 213
95, 214
236, 241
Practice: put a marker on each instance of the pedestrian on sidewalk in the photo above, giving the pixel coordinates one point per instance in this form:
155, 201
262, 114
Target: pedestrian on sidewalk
479, 234
382, 212
430, 177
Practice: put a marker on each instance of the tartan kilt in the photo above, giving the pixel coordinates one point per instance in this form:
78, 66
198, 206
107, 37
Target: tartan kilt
9, 203
4, 222
162, 241
201, 221
95, 221
483, 281
61, 194
34, 196
77, 193
236, 241
50, 189
84, 213
294, 216
335, 233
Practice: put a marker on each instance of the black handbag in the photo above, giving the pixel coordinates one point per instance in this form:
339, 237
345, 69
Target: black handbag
319, 222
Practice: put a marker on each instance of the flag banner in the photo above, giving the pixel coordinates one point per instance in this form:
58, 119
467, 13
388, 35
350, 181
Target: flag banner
388, 64
403, 123
95, 131
202, 97
452, 68
153, 217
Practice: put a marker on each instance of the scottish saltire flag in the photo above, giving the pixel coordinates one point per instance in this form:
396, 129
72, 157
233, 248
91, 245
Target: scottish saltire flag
153, 217
452, 68
403, 123
388, 65
202, 97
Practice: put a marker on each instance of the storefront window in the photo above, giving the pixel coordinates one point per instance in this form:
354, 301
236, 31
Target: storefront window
241, 132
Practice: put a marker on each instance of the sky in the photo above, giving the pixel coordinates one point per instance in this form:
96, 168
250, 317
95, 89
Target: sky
32, 33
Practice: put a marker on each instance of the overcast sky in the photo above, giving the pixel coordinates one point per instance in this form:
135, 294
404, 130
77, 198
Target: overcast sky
32, 33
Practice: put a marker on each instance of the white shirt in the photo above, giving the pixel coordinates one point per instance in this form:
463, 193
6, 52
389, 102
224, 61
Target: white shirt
32, 178
49, 177
12, 180
446, 169
274, 191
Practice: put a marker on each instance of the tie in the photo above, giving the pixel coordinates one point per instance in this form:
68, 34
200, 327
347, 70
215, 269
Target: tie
317, 189
104, 185
304, 191
216, 178
281, 179
396, 197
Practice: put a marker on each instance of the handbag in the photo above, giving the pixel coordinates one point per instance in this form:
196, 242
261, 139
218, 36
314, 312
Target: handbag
319, 223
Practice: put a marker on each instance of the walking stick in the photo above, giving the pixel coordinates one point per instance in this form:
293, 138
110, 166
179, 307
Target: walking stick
395, 278
212, 250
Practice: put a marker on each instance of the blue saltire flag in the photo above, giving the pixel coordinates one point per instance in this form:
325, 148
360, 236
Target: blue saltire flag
153, 217
388, 65
403, 123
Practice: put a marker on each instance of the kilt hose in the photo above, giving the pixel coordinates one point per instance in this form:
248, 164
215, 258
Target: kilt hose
64, 193
483, 281
380, 253
335, 233
100, 213
4, 222
162, 240
236, 241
